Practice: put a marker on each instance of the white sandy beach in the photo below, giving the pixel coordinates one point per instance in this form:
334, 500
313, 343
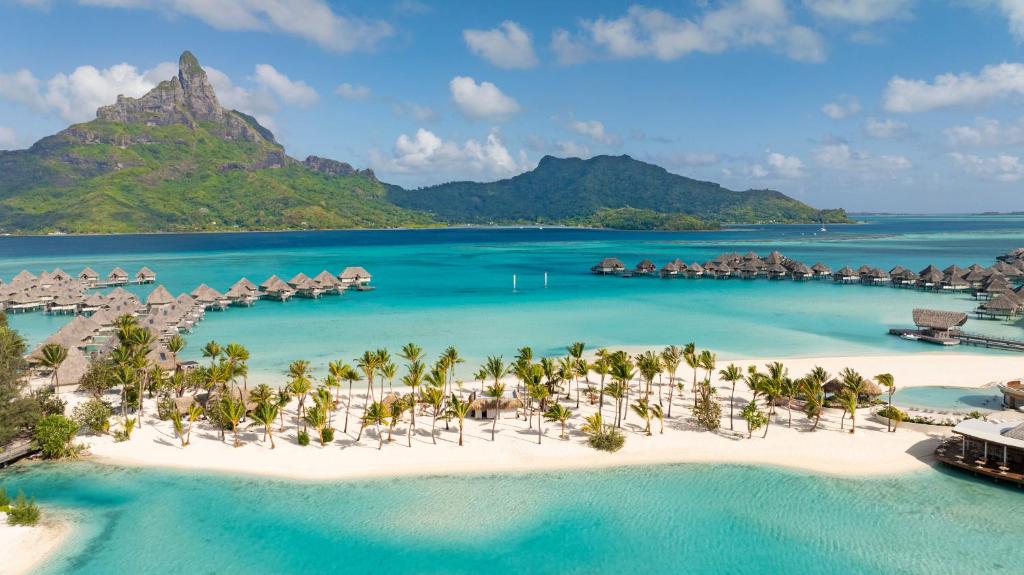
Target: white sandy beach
25, 548
829, 450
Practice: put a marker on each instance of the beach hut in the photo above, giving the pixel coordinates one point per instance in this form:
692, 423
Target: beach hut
695, 270
117, 277
359, 278
145, 276
243, 292
274, 287
747, 270
607, 266
877, 276
673, 269
939, 325
1002, 306
846, 275
645, 268
801, 272
723, 271
89, 277
159, 297
821, 271
486, 407
305, 286
930, 278
776, 271
329, 283
210, 298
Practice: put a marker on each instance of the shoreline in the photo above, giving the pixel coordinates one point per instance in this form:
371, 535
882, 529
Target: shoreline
829, 450
26, 548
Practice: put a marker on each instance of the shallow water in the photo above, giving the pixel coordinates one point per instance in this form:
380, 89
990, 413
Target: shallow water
682, 518
454, 287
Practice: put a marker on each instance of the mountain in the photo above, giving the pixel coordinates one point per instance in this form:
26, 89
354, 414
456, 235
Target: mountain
176, 160
603, 190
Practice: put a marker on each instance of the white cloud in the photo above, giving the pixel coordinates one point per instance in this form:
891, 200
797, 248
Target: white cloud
649, 32
8, 139
507, 46
844, 107
571, 149
993, 82
1001, 168
419, 112
296, 93
1013, 10
688, 159
839, 156
860, 11
785, 166
76, 96
986, 132
428, 154
887, 129
483, 101
352, 91
313, 20
595, 131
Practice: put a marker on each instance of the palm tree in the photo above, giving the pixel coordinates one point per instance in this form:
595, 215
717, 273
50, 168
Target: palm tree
814, 397
657, 413
649, 365
849, 400
671, 357
887, 381
316, 417
396, 410
601, 366
575, 351
593, 425
175, 345
622, 373
692, 359
237, 356
142, 341
540, 393
560, 413
265, 414
458, 409
349, 374
283, 397
771, 387
853, 387
376, 415
413, 379
299, 383
788, 389
816, 386
195, 411
732, 374
213, 351
616, 391
233, 411
495, 368
411, 352
434, 397
388, 371
261, 393
368, 362
52, 356
450, 356
642, 409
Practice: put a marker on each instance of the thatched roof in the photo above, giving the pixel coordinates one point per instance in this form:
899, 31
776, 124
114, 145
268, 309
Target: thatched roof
821, 268
117, 273
275, 284
24, 276
487, 403
774, 258
206, 294
326, 279
646, 265
159, 296
298, 279
696, 268
145, 273
941, 320
802, 269
1005, 303
846, 271
88, 274
356, 273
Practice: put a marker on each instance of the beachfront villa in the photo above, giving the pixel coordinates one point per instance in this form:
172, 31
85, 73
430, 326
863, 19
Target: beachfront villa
991, 448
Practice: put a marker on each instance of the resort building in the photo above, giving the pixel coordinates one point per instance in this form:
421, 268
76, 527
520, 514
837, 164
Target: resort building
274, 287
1013, 394
117, 277
645, 267
359, 278
607, 266
159, 298
145, 276
305, 286
990, 448
939, 326
89, 277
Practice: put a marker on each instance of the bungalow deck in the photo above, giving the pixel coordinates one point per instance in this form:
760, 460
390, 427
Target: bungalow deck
951, 452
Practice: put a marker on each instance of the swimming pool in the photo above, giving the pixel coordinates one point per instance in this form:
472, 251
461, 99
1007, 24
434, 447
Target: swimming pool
950, 398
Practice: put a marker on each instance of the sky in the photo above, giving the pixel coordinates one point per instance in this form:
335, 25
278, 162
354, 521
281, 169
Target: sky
870, 105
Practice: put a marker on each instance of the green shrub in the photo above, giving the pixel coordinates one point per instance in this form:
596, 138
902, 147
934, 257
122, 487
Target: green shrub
4, 499
165, 407
93, 416
23, 512
303, 437
611, 440
327, 435
55, 435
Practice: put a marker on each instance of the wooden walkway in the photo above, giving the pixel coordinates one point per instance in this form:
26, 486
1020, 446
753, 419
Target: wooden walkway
19, 449
982, 340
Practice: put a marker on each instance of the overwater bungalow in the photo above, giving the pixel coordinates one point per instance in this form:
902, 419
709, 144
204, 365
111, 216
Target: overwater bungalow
877, 276
89, 277
23, 301
305, 286
243, 292
210, 298
1002, 306
863, 271
609, 266
801, 272
821, 271
59, 276
117, 277
673, 269
159, 298
774, 258
65, 302
358, 278
993, 286
23, 277
954, 282
930, 278
276, 288
776, 271
645, 268
92, 304
938, 326
145, 276
846, 275
990, 448
747, 270
695, 270
329, 283
974, 277
1008, 271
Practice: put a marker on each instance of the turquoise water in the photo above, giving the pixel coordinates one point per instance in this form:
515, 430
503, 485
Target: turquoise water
685, 518
950, 398
454, 287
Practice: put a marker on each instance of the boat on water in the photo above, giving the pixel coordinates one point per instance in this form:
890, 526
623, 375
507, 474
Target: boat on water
911, 336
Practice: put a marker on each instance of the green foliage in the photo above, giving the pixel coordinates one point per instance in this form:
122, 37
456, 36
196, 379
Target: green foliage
4, 499
303, 437
610, 191
19, 411
98, 379
93, 416
54, 434
23, 511
327, 435
165, 406
755, 418
707, 410
610, 439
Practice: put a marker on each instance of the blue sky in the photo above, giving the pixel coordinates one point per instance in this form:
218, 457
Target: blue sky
879, 105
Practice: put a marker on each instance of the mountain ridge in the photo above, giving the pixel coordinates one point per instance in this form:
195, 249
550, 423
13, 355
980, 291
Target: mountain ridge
175, 160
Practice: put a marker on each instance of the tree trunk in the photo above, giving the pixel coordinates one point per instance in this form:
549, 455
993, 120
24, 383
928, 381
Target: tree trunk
771, 406
270, 434
497, 413
433, 426
460, 433
732, 404
671, 390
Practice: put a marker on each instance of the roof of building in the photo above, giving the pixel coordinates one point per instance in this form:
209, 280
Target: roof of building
937, 319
